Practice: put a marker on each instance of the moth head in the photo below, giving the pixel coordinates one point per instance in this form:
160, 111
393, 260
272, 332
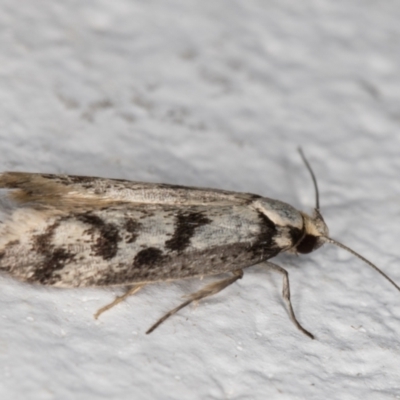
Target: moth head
315, 233
315, 230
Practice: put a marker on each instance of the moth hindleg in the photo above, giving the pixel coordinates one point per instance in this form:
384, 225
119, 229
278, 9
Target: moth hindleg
286, 296
131, 290
212, 288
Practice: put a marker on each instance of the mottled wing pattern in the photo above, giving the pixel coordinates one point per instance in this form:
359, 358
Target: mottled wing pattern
70, 190
71, 231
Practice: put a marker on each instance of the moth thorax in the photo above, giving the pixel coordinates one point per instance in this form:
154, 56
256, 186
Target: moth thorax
315, 232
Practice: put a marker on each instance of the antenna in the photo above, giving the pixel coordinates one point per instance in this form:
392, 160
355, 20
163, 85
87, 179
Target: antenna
336, 243
312, 177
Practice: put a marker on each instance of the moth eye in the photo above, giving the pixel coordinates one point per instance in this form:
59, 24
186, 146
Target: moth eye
307, 245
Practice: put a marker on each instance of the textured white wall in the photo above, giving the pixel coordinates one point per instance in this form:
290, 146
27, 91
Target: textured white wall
219, 94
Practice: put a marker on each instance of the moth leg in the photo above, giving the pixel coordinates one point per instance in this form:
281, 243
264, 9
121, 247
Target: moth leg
130, 291
208, 290
286, 296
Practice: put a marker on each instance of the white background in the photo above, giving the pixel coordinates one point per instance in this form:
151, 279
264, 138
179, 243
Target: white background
216, 94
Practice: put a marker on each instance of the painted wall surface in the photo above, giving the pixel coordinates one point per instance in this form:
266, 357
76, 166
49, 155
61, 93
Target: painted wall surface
215, 94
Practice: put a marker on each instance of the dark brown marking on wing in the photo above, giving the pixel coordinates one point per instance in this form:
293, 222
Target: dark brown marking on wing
148, 257
264, 246
42, 243
53, 258
106, 244
147, 266
54, 261
186, 224
172, 186
84, 181
133, 229
4, 253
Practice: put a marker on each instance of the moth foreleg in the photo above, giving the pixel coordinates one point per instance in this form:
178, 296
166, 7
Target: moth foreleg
130, 291
286, 296
209, 290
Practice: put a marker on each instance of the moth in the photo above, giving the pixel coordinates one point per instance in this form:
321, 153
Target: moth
75, 231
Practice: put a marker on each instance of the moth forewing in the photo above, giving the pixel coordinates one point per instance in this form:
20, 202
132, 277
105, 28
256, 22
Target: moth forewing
77, 231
